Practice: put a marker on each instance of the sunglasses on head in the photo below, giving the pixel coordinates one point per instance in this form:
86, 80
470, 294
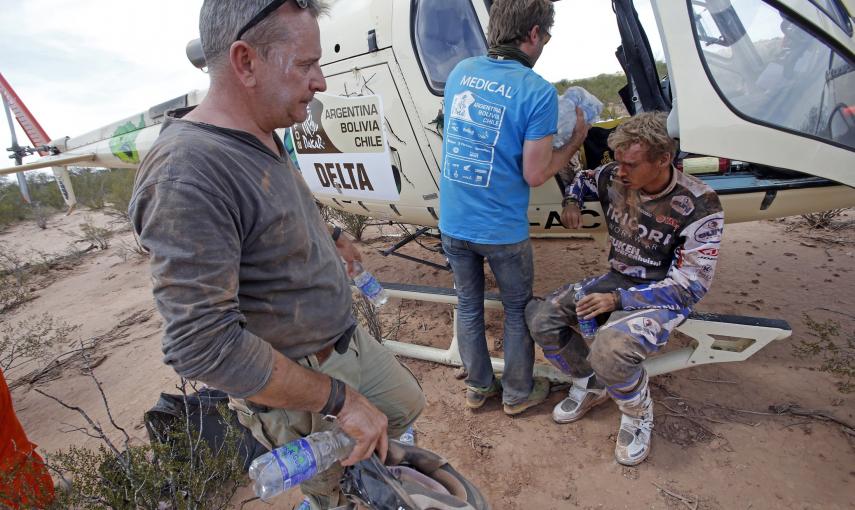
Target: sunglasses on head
258, 18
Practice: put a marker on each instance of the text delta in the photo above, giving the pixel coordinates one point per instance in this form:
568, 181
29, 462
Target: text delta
344, 175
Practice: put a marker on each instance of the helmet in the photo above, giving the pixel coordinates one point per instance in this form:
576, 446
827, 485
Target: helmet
412, 479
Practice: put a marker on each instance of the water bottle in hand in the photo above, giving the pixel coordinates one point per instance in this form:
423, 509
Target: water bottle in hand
588, 327
368, 285
297, 461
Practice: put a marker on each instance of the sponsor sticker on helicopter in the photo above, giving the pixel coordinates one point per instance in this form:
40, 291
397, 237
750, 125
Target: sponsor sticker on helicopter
342, 148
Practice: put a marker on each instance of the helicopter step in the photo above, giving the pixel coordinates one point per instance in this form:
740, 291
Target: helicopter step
716, 338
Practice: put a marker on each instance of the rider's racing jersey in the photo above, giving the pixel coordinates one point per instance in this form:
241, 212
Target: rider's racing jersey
668, 242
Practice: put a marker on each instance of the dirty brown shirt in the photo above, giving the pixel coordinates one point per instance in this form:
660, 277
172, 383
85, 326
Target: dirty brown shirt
241, 261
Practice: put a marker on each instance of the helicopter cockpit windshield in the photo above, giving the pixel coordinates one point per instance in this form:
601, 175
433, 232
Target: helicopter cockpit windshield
769, 68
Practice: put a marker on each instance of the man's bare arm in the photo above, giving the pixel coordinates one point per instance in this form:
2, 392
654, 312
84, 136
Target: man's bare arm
291, 386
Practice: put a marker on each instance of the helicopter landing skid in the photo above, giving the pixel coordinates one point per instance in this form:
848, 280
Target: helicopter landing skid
408, 239
715, 338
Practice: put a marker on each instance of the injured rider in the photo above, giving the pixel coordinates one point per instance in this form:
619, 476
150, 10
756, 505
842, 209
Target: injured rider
665, 229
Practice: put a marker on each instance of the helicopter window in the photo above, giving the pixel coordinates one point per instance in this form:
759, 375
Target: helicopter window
708, 32
771, 70
446, 32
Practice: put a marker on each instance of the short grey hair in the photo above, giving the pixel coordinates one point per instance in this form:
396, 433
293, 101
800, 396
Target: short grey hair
220, 21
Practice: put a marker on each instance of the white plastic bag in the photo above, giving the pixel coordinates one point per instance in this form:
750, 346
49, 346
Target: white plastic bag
567, 103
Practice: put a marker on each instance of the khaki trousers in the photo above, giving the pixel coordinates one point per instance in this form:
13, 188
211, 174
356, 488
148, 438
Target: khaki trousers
366, 366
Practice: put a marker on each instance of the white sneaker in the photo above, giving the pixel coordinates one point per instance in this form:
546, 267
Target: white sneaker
633, 440
578, 402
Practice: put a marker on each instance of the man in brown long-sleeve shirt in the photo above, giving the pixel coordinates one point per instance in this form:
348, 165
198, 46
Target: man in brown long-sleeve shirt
250, 283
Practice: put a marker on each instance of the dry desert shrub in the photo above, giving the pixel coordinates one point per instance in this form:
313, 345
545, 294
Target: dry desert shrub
837, 353
96, 236
31, 340
354, 224
14, 280
822, 219
177, 470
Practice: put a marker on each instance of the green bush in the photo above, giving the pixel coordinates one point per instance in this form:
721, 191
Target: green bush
44, 194
94, 188
605, 87
354, 224
14, 280
44, 191
120, 185
90, 187
177, 470
180, 473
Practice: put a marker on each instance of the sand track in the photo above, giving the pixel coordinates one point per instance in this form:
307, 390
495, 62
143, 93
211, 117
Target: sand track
703, 451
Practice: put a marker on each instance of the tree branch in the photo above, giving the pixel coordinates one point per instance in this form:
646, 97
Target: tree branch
86, 417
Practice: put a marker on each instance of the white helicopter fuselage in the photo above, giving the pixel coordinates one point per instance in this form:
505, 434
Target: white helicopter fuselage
718, 106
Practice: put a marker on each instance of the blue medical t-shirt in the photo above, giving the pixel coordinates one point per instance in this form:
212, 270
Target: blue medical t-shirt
491, 108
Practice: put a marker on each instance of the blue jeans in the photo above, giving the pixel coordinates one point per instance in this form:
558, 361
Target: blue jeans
514, 271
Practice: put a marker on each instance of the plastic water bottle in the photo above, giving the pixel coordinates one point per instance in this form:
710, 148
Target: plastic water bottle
409, 436
588, 327
297, 461
567, 103
369, 286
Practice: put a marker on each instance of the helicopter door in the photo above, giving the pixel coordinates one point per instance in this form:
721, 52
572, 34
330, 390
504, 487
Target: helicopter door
762, 81
643, 92
415, 185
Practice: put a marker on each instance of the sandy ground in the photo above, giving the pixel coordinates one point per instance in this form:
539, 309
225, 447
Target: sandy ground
721, 460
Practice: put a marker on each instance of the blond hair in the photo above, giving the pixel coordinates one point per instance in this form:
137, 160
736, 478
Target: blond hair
648, 129
511, 20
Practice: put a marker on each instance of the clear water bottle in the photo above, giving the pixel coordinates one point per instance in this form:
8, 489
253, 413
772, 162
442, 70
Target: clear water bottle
297, 461
588, 327
369, 286
409, 436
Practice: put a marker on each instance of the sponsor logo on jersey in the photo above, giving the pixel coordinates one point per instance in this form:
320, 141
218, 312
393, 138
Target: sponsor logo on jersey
633, 252
633, 271
667, 220
624, 218
710, 231
683, 205
645, 327
709, 252
706, 272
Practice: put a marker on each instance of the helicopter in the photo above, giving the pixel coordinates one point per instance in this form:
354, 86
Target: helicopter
764, 90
